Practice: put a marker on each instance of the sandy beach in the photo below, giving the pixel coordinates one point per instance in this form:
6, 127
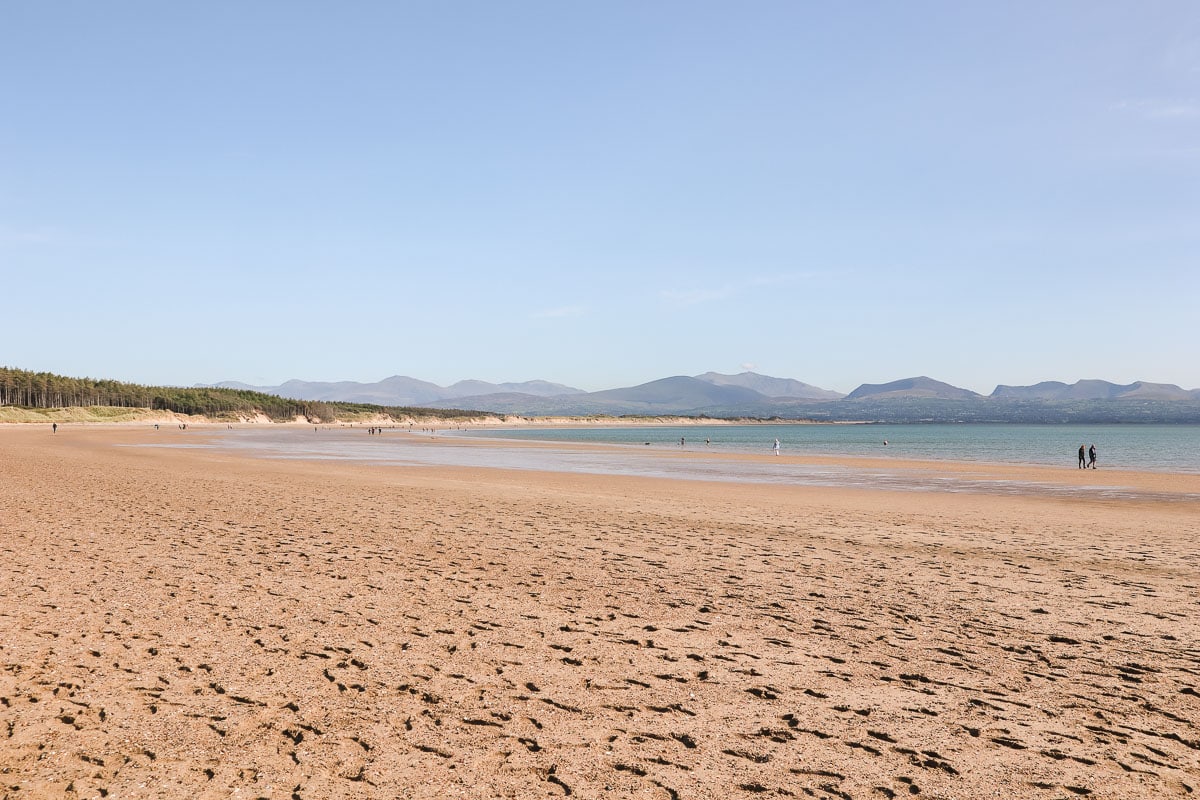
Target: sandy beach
193, 623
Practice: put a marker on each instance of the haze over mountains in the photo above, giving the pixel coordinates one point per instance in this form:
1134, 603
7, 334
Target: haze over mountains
752, 395
1096, 390
400, 390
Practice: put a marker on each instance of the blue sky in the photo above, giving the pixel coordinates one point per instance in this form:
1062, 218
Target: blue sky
601, 194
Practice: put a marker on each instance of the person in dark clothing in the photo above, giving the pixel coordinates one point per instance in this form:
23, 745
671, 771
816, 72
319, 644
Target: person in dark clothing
1082, 458
1092, 456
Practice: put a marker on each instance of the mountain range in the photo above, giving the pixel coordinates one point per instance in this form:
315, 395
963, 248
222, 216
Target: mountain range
749, 394
400, 390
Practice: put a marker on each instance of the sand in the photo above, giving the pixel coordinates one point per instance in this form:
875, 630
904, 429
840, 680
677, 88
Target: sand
191, 623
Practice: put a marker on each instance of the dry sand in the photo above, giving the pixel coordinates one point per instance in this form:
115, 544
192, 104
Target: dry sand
191, 623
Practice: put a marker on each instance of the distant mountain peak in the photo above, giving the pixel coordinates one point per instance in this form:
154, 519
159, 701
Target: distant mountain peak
771, 387
401, 390
921, 387
680, 391
1092, 389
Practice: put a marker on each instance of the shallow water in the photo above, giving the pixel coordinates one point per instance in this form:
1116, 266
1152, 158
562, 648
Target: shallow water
1170, 448
402, 447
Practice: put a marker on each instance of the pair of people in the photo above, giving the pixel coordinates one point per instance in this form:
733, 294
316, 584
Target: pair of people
1087, 458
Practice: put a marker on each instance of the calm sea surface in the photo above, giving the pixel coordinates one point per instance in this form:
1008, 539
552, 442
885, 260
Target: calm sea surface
1170, 448
657, 452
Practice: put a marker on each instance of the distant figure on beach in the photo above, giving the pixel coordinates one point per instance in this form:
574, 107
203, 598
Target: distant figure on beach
707, 442
885, 442
54, 427
776, 447
1092, 456
681, 441
1082, 458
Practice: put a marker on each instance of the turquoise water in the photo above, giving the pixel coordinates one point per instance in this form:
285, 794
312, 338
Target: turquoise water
1169, 448
568, 450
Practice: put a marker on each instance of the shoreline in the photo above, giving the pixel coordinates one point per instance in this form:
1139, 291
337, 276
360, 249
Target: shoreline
959, 475
1147, 481
1160, 450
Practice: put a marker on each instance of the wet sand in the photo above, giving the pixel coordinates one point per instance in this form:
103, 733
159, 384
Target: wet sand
198, 623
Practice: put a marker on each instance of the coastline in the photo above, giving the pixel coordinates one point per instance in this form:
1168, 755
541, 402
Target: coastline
201, 622
715, 465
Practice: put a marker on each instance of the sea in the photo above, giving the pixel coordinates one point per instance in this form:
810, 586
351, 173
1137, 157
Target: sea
694, 452
1167, 448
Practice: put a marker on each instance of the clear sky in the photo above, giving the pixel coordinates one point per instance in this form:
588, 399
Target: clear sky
601, 194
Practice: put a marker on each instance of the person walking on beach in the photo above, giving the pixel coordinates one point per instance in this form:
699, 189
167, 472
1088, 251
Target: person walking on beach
776, 447
54, 427
1082, 458
1092, 456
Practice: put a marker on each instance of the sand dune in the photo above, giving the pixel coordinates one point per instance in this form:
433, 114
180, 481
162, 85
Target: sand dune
194, 623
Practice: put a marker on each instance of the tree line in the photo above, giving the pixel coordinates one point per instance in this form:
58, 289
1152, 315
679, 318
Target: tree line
44, 390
